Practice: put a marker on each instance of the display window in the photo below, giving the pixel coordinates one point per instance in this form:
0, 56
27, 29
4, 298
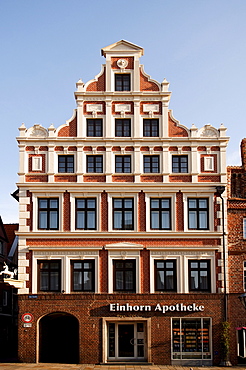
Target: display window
191, 338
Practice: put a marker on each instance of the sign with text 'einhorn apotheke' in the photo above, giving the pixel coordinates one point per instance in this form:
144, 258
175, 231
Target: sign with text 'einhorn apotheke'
178, 307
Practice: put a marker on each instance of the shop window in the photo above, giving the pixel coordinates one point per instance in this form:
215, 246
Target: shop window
179, 163
199, 275
83, 275
244, 275
123, 214
48, 213
123, 164
160, 214
122, 82
65, 163
85, 210
94, 163
151, 164
94, 127
198, 213
122, 127
151, 127
49, 275
191, 338
244, 228
124, 275
165, 275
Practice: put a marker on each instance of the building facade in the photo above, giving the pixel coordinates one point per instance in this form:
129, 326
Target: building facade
120, 239
237, 255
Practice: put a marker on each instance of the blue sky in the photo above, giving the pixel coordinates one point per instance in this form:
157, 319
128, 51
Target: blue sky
46, 46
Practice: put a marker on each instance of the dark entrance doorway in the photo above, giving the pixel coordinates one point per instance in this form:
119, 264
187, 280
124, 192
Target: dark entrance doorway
59, 338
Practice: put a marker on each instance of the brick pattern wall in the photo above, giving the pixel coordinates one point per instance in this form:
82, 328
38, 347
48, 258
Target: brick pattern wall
122, 178
179, 212
209, 178
36, 178
180, 178
70, 130
151, 178
94, 178
65, 178
174, 130
66, 212
104, 211
141, 212
146, 84
145, 271
98, 85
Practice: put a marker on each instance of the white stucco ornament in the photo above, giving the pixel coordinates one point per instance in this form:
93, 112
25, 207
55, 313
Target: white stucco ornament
37, 131
122, 63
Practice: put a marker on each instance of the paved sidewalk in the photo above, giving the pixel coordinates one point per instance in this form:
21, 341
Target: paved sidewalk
22, 366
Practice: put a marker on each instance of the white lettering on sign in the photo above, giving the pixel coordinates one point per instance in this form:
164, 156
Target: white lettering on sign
178, 307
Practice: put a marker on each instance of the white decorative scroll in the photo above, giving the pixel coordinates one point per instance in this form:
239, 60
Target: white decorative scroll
122, 108
151, 108
94, 107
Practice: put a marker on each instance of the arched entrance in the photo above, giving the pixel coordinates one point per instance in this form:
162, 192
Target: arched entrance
59, 338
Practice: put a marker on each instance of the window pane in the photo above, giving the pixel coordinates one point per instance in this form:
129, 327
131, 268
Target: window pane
54, 281
43, 220
160, 280
87, 280
80, 220
117, 203
154, 203
129, 280
43, 203
154, 219
169, 280
203, 224
117, 220
128, 203
165, 203
194, 279
80, 203
91, 220
53, 203
202, 203
77, 280
53, 220
128, 220
44, 280
91, 203
165, 221
192, 220
119, 280
192, 203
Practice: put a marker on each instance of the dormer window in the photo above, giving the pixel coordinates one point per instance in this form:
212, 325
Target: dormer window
122, 82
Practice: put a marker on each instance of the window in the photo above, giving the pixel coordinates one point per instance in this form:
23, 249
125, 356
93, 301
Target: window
122, 82
191, 338
48, 213
199, 275
122, 127
85, 214
160, 214
83, 276
198, 214
244, 275
151, 164
151, 127
179, 163
123, 164
123, 214
124, 275
66, 163
94, 127
94, 163
244, 228
49, 275
165, 275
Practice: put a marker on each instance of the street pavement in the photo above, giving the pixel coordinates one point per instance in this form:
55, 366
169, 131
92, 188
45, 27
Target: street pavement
23, 366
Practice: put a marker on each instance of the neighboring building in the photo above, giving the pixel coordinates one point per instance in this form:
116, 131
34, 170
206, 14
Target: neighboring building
8, 293
120, 239
237, 254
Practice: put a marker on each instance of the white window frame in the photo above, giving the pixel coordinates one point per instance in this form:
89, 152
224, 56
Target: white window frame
208, 163
158, 255
73, 197
209, 196
122, 254
200, 257
65, 257
118, 72
151, 154
112, 196
171, 196
37, 162
178, 153
35, 198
